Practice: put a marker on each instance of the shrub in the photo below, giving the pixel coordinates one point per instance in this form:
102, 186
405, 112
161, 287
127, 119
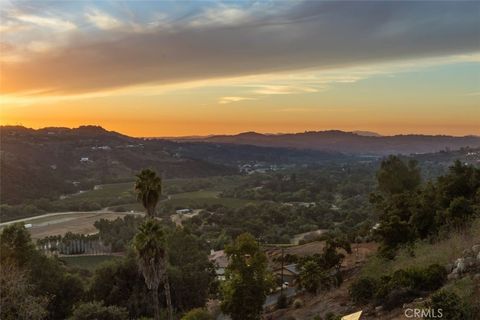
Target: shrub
449, 303
402, 286
297, 303
363, 290
197, 314
397, 297
97, 311
433, 277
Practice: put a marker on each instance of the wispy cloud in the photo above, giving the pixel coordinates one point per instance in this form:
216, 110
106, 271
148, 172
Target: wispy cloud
270, 89
102, 20
226, 100
49, 22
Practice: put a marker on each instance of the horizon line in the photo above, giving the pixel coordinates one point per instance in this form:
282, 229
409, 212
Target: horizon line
168, 137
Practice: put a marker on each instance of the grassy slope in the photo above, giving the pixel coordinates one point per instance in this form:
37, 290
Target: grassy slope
441, 252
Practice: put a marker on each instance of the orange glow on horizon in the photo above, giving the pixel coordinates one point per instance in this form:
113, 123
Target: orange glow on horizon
180, 128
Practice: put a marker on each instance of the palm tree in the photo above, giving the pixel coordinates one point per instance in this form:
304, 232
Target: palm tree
149, 188
149, 244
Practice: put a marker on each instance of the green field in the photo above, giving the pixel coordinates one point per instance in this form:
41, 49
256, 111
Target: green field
202, 194
108, 190
204, 188
123, 192
87, 262
197, 203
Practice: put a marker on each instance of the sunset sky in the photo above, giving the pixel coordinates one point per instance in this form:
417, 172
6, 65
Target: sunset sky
174, 68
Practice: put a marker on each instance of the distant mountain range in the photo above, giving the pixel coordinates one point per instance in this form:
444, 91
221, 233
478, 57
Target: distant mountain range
49, 162
359, 142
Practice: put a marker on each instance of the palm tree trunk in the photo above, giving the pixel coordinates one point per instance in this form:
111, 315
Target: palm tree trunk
168, 297
156, 303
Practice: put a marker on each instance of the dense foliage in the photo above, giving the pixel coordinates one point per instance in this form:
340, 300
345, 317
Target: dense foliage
322, 271
97, 311
247, 280
48, 279
409, 210
399, 287
118, 233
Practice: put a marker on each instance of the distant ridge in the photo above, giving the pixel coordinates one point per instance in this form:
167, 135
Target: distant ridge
367, 133
357, 142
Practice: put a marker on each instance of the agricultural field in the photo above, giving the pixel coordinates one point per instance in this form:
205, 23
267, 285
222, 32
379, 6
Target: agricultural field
178, 192
81, 221
61, 223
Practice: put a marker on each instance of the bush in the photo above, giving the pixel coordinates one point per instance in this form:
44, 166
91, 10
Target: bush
433, 277
97, 311
363, 290
197, 314
397, 297
297, 303
402, 286
450, 303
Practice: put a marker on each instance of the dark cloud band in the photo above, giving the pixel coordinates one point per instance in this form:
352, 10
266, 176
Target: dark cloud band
310, 35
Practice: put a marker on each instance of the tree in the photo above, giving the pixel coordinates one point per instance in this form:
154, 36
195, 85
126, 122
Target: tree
47, 276
17, 300
119, 282
148, 188
149, 244
396, 176
189, 271
16, 245
97, 311
397, 201
247, 281
311, 276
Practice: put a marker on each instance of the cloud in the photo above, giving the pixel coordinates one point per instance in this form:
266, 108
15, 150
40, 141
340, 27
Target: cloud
270, 89
307, 35
225, 100
49, 22
102, 20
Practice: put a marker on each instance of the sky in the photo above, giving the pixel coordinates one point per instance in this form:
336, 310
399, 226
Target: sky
181, 68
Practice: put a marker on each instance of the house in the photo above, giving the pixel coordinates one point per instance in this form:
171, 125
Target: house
84, 159
290, 273
220, 261
183, 211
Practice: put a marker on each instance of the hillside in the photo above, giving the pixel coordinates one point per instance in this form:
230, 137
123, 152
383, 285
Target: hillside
350, 142
53, 161
423, 253
50, 162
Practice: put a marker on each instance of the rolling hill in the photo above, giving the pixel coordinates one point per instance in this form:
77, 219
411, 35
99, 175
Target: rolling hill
50, 162
349, 142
